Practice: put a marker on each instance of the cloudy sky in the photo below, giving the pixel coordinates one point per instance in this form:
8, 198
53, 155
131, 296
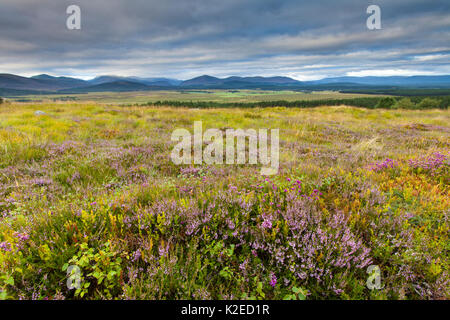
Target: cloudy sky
186, 38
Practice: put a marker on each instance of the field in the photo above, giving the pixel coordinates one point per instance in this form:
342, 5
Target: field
188, 95
91, 186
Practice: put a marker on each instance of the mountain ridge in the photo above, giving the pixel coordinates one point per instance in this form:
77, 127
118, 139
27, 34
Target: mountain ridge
52, 84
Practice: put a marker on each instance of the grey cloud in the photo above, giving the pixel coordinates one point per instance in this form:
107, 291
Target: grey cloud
187, 38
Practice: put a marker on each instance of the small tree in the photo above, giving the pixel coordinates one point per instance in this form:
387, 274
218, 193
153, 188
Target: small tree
428, 103
1, 100
386, 103
405, 103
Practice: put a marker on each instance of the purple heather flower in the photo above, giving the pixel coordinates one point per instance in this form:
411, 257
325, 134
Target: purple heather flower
6, 246
432, 162
273, 280
267, 224
386, 164
136, 255
22, 236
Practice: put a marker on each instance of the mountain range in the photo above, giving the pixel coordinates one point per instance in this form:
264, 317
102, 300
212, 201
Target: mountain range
16, 85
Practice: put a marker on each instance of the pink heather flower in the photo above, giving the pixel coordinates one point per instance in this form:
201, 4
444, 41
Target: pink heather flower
163, 251
432, 162
6, 246
273, 280
267, 224
22, 236
136, 255
386, 164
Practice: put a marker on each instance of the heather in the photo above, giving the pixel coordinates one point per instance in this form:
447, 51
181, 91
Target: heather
93, 186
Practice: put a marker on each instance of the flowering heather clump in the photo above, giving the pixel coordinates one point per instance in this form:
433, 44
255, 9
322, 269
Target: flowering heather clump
60, 149
431, 163
40, 182
190, 171
96, 189
320, 247
5, 246
386, 164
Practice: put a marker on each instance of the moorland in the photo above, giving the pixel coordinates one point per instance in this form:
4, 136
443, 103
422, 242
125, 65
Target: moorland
89, 183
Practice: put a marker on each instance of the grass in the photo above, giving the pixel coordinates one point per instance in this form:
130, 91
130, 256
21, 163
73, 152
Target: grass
140, 97
91, 186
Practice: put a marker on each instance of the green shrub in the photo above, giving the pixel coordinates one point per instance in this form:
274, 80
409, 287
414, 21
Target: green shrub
100, 267
405, 103
428, 103
386, 103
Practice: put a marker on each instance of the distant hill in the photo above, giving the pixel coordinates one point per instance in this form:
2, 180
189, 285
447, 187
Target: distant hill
11, 81
104, 79
416, 81
210, 82
116, 86
38, 83
204, 80
147, 81
237, 82
11, 84
267, 80
60, 82
157, 81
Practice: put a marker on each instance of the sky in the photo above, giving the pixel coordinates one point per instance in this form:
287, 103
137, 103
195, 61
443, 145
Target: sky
182, 39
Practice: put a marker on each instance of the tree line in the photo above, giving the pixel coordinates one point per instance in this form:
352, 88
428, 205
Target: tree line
363, 102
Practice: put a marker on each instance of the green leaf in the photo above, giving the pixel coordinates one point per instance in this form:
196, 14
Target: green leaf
111, 274
3, 295
10, 281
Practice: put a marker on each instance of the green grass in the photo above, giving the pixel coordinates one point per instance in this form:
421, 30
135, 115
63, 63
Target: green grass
192, 95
